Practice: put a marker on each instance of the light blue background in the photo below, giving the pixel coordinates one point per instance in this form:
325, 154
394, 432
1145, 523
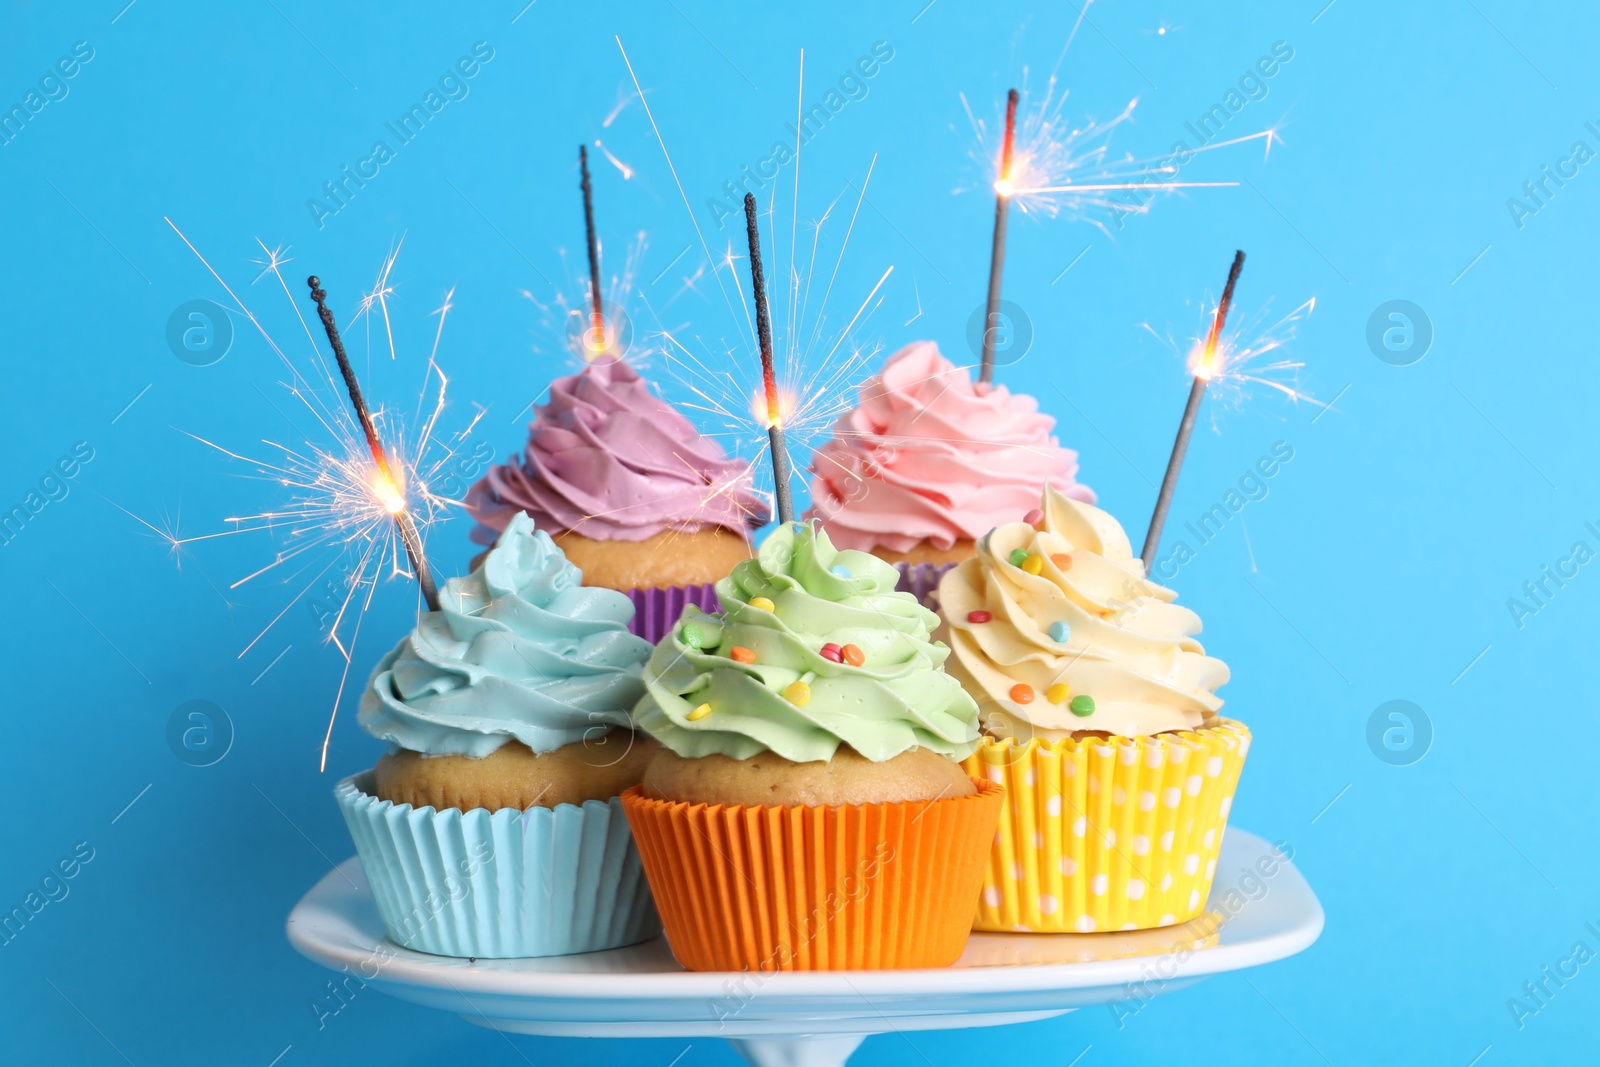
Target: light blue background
1377, 568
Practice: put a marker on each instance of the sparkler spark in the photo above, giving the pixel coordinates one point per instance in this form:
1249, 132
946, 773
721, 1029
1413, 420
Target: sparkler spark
1248, 354
1062, 166
625, 170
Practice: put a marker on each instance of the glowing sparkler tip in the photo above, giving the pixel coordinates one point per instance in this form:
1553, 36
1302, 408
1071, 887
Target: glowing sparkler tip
387, 493
772, 411
1205, 364
1004, 187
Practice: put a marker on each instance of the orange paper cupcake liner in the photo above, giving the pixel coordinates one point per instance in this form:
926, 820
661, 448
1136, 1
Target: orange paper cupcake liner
857, 887
1117, 833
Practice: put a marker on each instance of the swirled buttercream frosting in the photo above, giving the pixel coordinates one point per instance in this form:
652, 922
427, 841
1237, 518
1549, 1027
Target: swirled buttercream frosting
927, 455
608, 459
814, 650
1057, 629
519, 650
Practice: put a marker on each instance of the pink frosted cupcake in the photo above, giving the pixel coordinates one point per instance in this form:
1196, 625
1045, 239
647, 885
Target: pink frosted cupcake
929, 461
630, 490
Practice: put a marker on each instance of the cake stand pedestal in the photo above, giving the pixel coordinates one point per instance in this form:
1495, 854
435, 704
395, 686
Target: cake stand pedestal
818, 1018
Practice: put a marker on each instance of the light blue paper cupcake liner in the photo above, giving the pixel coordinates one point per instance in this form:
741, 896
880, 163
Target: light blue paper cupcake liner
501, 884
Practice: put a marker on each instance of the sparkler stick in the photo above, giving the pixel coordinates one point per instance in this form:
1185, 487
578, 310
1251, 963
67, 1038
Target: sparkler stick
997, 254
597, 320
393, 501
769, 378
1204, 370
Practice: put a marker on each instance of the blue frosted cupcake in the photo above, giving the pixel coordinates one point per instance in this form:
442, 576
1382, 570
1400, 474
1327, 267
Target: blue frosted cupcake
492, 827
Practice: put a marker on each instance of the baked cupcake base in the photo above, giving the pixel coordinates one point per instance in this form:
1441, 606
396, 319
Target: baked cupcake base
502, 884
855, 887
669, 558
917, 774
1115, 833
660, 574
514, 776
926, 552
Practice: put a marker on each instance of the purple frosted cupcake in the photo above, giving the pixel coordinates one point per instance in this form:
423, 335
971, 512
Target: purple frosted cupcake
635, 496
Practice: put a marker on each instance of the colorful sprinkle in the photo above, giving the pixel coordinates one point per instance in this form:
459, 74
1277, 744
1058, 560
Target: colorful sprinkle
1034, 517
1033, 564
1058, 693
1022, 693
853, 655
692, 636
831, 652
1061, 560
798, 694
762, 603
979, 616
1082, 705
1017, 556
699, 713
742, 654
839, 570
1060, 632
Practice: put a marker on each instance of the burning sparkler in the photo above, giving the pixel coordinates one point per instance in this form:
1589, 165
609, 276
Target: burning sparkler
1003, 191
390, 491
361, 491
1227, 362
1046, 163
1061, 166
1248, 355
591, 315
596, 341
1204, 369
1057, 163
814, 364
769, 380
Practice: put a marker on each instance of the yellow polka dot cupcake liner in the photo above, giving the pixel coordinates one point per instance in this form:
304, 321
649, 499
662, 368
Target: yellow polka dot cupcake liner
1115, 833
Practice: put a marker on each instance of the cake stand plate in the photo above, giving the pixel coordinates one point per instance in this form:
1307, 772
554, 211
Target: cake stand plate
813, 1019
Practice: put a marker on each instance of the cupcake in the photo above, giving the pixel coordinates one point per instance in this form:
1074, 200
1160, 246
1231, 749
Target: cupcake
928, 461
633, 494
1100, 718
492, 827
806, 811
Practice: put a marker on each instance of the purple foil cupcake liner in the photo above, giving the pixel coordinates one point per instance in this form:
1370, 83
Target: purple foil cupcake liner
656, 610
922, 581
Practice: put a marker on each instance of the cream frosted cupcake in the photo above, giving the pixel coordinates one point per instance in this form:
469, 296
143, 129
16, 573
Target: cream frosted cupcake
492, 828
630, 490
928, 461
1100, 718
806, 811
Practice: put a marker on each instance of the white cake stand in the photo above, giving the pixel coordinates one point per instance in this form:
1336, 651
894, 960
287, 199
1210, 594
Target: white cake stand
817, 1019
